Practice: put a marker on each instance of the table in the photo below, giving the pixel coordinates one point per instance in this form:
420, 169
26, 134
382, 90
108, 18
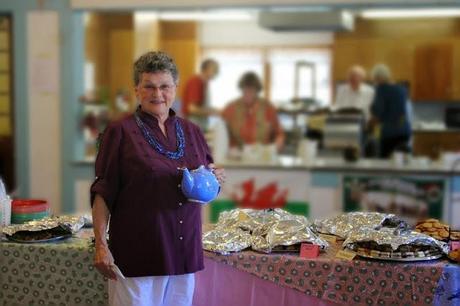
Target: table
62, 273
335, 281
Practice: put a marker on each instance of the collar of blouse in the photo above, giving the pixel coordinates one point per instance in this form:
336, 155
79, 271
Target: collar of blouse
152, 121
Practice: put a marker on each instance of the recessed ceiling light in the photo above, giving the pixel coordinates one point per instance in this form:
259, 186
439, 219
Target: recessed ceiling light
411, 13
205, 15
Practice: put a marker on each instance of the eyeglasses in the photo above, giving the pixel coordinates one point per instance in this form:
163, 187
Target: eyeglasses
163, 88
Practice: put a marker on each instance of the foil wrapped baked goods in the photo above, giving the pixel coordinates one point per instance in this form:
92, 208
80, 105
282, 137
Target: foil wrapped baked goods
44, 229
344, 224
391, 243
262, 230
226, 241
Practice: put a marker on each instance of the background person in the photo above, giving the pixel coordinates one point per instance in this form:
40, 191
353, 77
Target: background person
195, 104
355, 93
390, 109
251, 119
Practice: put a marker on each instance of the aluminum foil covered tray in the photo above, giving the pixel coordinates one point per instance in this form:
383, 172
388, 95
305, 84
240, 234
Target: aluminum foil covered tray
394, 244
342, 225
262, 230
47, 229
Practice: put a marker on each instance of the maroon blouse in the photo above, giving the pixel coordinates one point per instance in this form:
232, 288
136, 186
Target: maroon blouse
153, 229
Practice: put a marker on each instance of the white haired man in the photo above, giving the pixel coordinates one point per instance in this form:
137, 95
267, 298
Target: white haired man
355, 93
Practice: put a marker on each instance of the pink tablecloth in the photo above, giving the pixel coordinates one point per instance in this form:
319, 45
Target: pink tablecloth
223, 285
326, 278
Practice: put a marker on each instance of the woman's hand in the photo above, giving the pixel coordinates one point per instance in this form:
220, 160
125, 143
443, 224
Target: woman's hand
218, 172
103, 261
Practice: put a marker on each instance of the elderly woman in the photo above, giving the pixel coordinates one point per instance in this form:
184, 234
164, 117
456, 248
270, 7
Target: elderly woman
391, 110
251, 119
155, 233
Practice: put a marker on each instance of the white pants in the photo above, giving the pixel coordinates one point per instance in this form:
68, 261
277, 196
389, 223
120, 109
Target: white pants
174, 290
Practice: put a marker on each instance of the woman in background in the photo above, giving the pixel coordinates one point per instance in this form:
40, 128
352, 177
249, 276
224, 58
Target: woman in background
251, 119
390, 109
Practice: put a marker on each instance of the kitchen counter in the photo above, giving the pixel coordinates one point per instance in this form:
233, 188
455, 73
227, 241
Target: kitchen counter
435, 130
334, 164
338, 164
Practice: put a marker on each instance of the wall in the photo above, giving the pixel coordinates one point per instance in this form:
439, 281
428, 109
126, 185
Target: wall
146, 33
180, 40
395, 42
109, 40
44, 106
45, 119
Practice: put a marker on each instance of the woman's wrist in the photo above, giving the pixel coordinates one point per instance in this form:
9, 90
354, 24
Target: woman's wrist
101, 244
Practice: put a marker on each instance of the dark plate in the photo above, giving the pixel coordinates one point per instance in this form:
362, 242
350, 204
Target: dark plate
11, 238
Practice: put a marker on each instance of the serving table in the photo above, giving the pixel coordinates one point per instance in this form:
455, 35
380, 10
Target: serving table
62, 273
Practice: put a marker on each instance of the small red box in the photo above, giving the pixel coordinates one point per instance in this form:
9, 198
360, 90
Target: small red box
309, 250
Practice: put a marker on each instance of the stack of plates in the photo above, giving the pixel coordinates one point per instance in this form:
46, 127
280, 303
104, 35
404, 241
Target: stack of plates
27, 210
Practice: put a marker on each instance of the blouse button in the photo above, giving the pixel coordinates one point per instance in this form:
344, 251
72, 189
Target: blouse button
180, 221
180, 203
181, 237
178, 186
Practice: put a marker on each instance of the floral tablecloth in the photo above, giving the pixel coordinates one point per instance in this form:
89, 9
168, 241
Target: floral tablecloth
357, 282
62, 274
58, 273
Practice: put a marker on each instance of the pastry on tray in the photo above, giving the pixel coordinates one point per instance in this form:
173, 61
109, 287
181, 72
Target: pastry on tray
407, 251
455, 255
58, 232
433, 228
395, 244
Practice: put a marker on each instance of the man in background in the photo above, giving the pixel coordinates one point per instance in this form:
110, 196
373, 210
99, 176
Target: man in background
195, 104
355, 94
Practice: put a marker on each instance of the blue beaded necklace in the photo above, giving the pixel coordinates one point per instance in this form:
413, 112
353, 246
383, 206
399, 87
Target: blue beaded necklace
157, 146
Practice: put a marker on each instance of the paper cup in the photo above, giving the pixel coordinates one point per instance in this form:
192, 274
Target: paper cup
5, 207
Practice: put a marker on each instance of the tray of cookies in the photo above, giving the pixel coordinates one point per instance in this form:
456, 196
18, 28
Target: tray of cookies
402, 253
433, 228
395, 244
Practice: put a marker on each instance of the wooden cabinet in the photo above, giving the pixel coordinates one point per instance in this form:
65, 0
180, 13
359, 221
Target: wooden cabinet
432, 144
433, 70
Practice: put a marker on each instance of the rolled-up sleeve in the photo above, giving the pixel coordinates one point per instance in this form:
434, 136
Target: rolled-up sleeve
107, 167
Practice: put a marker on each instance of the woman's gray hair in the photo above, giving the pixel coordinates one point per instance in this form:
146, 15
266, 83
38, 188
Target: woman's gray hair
155, 61
381, 73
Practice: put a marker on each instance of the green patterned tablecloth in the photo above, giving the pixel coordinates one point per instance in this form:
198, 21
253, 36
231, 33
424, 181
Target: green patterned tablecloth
48, 274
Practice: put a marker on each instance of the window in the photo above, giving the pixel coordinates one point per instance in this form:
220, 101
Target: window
293, 73
232, 64
314, 77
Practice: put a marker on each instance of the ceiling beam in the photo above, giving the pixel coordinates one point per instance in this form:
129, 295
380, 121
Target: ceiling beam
200, 4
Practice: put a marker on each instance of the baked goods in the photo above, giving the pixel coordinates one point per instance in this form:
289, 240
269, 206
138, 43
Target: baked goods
455, 255
433, 228
395, 244
58, 232
405, 251
295, 248
454, 235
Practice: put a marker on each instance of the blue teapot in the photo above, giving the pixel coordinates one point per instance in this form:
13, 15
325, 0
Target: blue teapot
199, 185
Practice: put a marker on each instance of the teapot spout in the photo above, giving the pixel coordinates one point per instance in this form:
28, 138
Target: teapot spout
187, 181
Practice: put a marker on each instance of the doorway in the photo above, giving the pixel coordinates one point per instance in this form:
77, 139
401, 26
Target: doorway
7, 162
